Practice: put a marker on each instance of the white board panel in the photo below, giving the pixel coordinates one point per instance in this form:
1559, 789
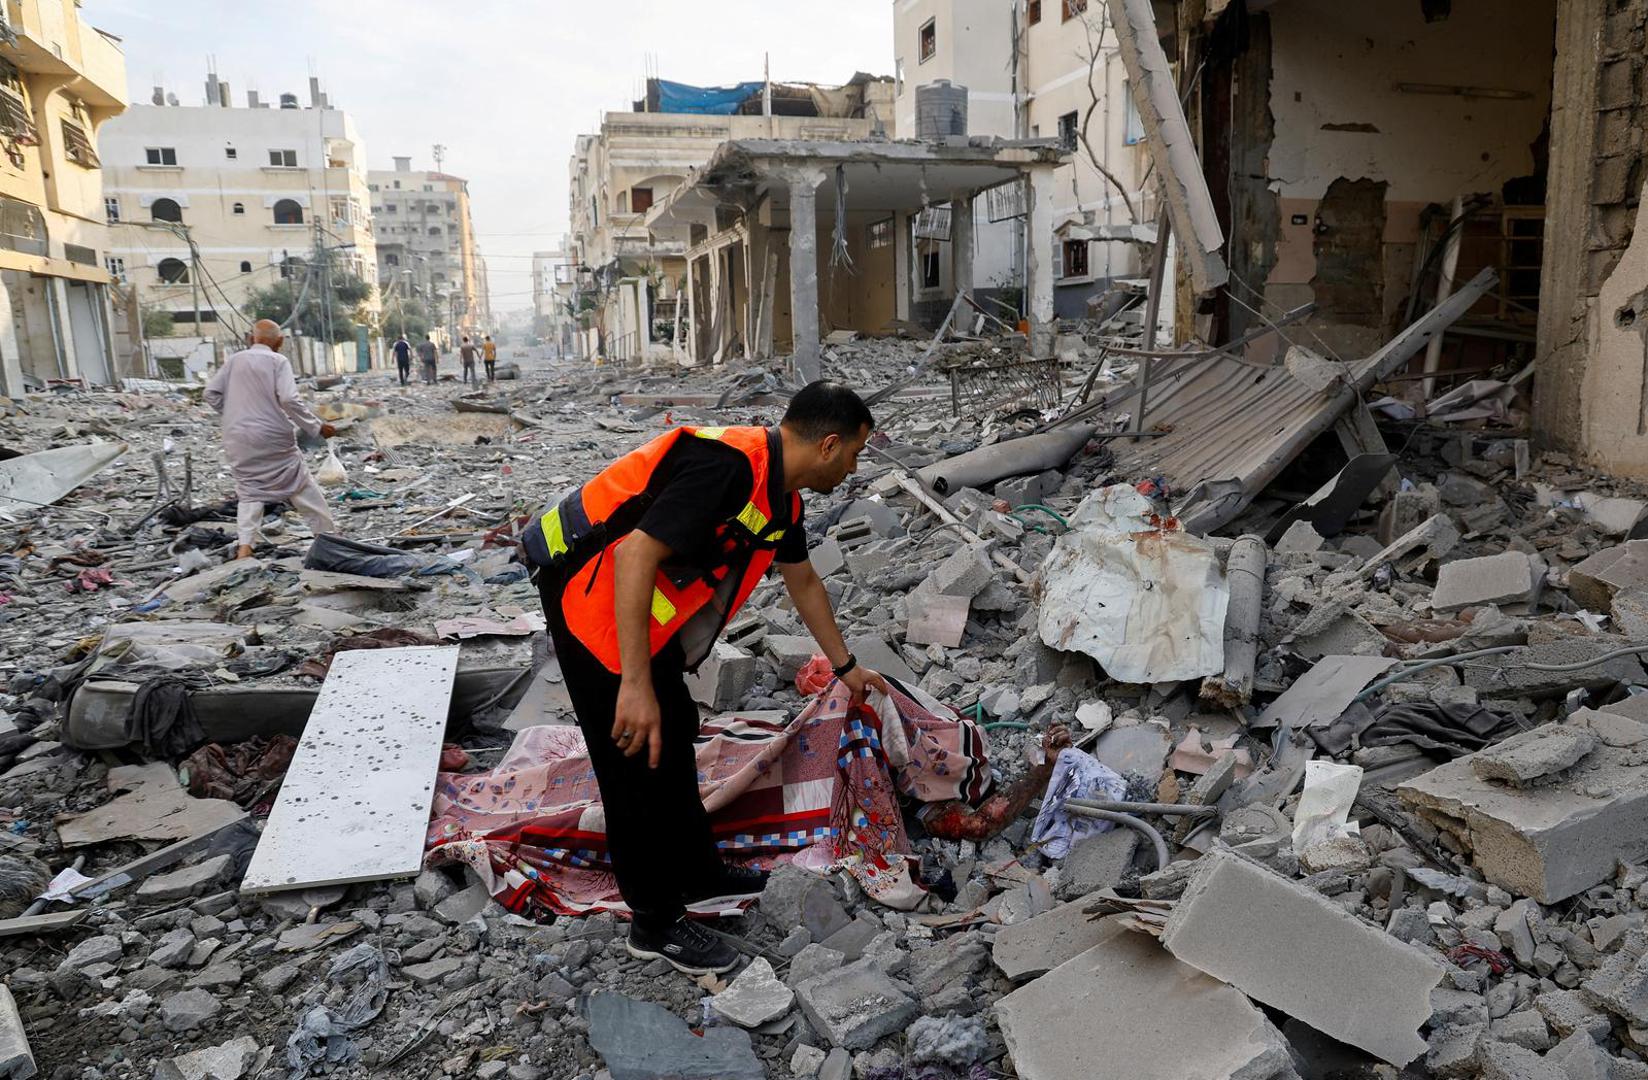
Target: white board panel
355, 803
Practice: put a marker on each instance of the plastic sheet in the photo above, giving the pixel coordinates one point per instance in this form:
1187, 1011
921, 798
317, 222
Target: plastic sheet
1324, 805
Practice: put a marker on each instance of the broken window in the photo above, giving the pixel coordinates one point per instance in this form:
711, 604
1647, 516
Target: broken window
160, 155
165, 210
930, 269
640, 200
283, 159
15, 119
1075, 258
879, 234
1032, 12
1074, 9
929, 40
77, 147
116, 266
22, 227
111, 209
288, 212
231, 153
173, 271
1069, 130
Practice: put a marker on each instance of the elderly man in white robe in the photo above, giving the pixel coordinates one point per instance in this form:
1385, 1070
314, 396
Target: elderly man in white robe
262, 413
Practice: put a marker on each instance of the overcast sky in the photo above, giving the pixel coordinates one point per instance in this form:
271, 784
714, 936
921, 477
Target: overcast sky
504, 84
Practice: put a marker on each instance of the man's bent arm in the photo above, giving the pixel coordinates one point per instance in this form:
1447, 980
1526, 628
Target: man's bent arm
812, 603
635, 568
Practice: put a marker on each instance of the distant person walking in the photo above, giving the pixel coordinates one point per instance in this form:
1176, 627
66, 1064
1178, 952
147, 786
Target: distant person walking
489, 353
258, 398
467, 353
428, 354
403, 360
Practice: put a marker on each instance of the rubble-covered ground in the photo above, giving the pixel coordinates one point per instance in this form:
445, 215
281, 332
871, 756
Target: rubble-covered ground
1481, 913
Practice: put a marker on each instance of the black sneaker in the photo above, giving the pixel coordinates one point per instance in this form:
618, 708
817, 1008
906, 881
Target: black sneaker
685, 946
730, 883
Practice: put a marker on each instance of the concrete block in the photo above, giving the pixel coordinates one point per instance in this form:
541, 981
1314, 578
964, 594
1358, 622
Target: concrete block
1020, 491
1595, 581
182, 884
1126, 1010
725, 678
874, 653
16, 1059
1533, 755
1508, 674
1549, 841
1613, 515
967, 572
855, 1006
867, 560
936, 619
1267, 936
1510, 577
1036, 946
1099, 862
827, 558
1301, 537
790, 652
882, 518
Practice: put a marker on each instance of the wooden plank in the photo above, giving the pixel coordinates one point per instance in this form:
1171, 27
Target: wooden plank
355, 802
42, 924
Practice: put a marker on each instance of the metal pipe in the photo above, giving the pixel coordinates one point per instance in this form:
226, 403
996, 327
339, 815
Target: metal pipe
1121, 807
1162, 857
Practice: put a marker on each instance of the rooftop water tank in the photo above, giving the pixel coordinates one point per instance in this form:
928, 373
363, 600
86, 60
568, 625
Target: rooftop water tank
941, 110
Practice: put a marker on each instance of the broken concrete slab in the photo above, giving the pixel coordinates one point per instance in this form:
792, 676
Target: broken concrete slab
1533, 755
1511, 674
190, 881
642, 1041
789, 653
937, 619
1549, 841
725, 679
1136, 748
1097, 862
1321, 695
155, 807
29, 481
1210, 1031
1249, 927
1145, 599
1032, 948
1435, 536
755, 997
856, 1005
1595, 582
873, 652
1511, 577
16, 1057
228, 1061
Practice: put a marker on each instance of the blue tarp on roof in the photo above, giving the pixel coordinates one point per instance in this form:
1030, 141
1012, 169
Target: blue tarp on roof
674, 97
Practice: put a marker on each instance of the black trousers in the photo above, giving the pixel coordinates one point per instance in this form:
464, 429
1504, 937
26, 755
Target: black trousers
658, 833
491, 370
405, 369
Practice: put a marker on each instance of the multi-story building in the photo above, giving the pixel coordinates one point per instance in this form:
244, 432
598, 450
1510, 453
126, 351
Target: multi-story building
211, 203
61, 80
1034, 69
553, 297
427, 247
629, 277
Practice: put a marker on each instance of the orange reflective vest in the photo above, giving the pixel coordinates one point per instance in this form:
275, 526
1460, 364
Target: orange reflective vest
579, 533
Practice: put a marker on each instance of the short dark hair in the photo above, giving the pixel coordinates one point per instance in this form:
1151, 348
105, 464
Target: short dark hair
825, 408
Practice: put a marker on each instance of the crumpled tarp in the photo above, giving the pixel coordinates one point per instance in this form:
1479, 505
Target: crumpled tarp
1443, 732
674, 97
823, 788
1076, 775
1135, 592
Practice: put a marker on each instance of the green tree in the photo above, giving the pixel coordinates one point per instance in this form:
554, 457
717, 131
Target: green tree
409, 316
157, 322
348, 293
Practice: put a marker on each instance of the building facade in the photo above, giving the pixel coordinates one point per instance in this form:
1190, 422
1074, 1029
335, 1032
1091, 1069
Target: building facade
1032, 69
553, 296
61, 81
427, 247
211, 203
630, 277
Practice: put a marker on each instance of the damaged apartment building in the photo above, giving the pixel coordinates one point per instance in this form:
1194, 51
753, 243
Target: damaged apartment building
629, 275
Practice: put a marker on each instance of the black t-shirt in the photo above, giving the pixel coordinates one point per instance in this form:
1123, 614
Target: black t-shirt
701, 484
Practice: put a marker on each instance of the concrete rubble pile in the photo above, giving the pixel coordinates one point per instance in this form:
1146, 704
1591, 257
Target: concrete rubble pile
1368, 804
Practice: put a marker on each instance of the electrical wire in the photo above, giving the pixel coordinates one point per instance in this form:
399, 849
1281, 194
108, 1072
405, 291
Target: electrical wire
1442, 661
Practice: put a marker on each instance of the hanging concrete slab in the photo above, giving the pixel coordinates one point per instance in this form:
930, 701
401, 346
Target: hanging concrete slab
355, 802
41, 478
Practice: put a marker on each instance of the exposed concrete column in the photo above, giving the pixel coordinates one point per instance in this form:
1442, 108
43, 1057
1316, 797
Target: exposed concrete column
1039, 271
804, 362
903, 265
962, 244
11, 353
62, 327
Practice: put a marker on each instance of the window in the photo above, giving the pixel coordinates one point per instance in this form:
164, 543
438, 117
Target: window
288, 212
77, 147
111, 209
435, 230
880, 234
1074, 9
898, 77
165, 210
391, 260
640, 199
397, 185
161, 155
15, 119
929, 39
1075, 258
22, 227
930, 269
283, 159
1133, 124
391, 208
231, 153
116, 266
173, 271
245, 267
238, 209
1032, 12
1068, 130
429, 187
